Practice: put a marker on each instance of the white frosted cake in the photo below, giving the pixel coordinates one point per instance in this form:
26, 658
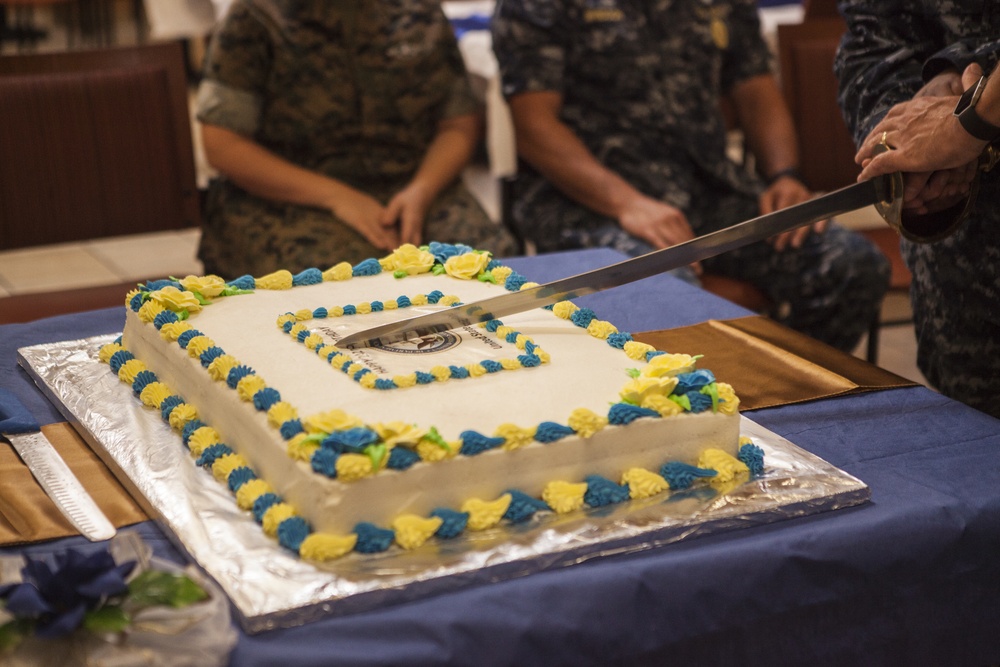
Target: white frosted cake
335, 450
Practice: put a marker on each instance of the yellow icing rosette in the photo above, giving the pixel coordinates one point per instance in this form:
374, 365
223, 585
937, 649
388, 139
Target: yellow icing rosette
409, 259
202, 439
248, 494
248, 386
641, 388
330, 421
108, 351
319, 547
281, 412
181, 415
501, 274
726, 465
219, 369
300, 449
669, 365
483, 514
601, 329
643, 483
341, 271
197, 346
352, 467
514, 436
399, 433
586, 422
154, 394
149, 310
564, 497
412, 530
564, 309
636, 350
729, 402
208, 286
662, 405
273, 517
467, 266
128, 370
224, 465
176, 300
431, 451
173, 330
279, 280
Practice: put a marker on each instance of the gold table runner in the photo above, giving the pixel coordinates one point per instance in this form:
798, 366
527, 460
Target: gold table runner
767, 364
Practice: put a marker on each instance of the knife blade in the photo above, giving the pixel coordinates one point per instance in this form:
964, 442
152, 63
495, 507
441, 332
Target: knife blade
19, 428
885, 193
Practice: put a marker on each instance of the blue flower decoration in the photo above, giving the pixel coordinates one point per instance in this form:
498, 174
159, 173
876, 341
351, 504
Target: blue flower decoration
57, 598
444, 251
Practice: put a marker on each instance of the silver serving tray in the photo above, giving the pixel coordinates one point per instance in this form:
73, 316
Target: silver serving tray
271, 587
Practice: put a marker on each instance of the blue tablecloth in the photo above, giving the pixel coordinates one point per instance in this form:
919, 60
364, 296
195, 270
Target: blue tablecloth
911, 578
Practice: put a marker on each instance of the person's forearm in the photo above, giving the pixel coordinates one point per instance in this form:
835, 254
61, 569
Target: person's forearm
262, 173
767, 125
449, 153
557, 153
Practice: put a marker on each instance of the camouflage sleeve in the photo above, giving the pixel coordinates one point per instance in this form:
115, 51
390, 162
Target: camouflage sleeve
891, 48
962, 54
529, 42
235, 71
747, 55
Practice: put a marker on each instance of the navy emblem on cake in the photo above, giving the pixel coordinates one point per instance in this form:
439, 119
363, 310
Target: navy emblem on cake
429, 344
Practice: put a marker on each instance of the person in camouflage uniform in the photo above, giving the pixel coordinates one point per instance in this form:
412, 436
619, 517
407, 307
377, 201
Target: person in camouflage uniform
633, 150
896, 53
339, 130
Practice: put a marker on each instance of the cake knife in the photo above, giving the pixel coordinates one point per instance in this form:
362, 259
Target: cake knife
19, 428
885, 193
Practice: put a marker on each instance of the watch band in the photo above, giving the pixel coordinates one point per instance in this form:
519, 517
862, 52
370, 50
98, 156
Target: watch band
971, 121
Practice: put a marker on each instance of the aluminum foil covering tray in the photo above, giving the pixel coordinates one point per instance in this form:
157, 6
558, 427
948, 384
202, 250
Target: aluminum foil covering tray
270, 587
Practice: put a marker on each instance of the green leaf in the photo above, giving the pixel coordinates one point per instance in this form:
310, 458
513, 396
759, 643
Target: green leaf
376, 453
633, 372
713, 391
13, 632
162, 588
435, 437
109, 618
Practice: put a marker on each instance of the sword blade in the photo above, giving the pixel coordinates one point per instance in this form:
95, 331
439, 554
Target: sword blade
838, 202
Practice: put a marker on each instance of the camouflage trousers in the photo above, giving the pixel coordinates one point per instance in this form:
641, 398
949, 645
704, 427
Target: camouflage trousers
956, 305
244, 234
830, 288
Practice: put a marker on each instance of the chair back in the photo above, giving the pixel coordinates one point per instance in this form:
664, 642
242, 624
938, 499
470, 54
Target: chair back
95, 144
806, 52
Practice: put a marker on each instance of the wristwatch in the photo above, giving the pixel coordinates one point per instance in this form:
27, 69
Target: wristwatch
972, 121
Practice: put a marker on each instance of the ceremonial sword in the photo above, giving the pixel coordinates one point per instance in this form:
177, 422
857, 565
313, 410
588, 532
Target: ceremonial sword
885, 193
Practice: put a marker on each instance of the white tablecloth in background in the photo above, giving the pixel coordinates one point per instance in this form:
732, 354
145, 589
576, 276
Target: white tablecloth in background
183, 19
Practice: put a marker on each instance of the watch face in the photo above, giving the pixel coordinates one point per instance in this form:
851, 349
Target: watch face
965, 110
971, 96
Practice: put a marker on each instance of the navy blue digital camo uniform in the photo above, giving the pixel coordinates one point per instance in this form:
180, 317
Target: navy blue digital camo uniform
891, 50
641, 85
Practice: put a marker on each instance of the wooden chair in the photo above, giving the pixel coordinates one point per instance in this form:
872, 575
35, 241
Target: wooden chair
806, 52
94, 144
